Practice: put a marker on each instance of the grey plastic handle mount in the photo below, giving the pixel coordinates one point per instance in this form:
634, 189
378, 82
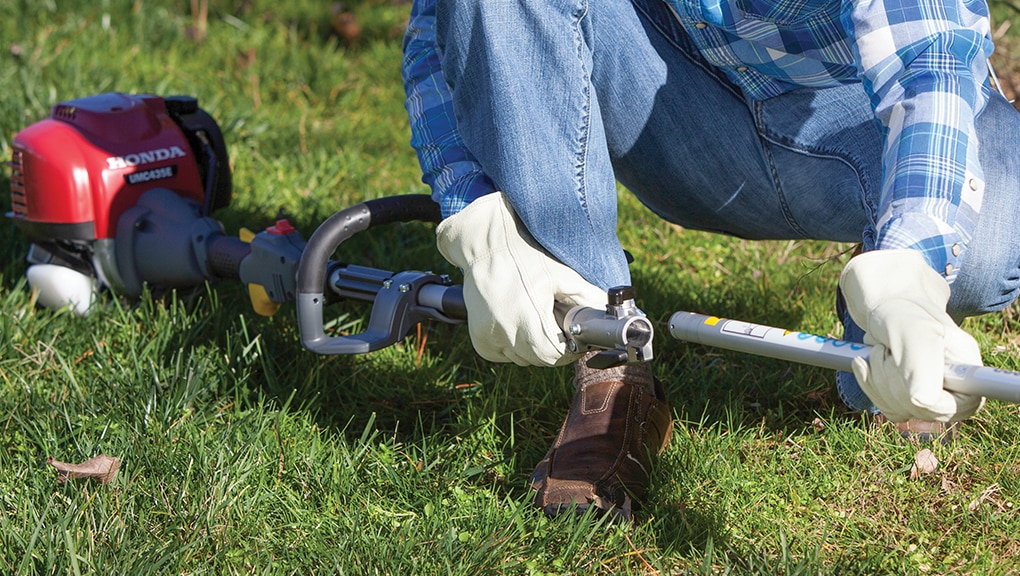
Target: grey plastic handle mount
384, 328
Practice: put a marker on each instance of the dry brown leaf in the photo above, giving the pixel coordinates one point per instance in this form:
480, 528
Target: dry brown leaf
924, 463
947, 484
986, 494
345, 23
103, 468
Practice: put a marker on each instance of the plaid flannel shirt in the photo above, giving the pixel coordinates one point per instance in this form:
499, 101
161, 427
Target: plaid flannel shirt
922, 62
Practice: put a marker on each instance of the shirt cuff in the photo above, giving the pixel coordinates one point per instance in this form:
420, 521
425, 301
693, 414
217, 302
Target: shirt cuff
940, 245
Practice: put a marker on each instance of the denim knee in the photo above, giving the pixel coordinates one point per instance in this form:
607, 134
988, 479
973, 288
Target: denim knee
986, 283
989, 277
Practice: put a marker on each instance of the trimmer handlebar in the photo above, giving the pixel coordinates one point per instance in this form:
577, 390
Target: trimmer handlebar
402, 300
393, 314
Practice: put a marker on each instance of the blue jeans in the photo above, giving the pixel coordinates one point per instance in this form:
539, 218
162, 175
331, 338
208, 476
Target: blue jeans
560, 100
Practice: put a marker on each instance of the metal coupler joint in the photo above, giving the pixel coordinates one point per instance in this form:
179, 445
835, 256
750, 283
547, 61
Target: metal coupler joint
621, 331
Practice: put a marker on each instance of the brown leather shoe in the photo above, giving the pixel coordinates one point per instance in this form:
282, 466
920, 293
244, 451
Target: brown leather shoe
618, 422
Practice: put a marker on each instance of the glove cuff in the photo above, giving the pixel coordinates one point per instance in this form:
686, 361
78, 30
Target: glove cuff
880, 276
481, 229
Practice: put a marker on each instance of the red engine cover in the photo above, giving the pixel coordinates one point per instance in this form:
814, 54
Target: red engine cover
76, 172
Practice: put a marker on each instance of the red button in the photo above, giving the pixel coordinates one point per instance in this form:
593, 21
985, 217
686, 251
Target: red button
282, 227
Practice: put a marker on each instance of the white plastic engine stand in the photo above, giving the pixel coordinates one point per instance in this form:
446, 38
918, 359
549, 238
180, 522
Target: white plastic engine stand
59, 287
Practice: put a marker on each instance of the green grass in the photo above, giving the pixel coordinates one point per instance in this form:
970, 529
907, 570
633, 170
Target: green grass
243, 453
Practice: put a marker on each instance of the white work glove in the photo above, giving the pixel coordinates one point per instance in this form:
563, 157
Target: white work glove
900, 302
511, 285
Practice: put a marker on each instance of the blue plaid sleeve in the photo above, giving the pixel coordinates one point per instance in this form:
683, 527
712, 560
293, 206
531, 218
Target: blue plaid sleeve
923, 62
447, 165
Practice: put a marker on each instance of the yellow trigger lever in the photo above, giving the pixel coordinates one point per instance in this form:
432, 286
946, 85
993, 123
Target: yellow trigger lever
260, 301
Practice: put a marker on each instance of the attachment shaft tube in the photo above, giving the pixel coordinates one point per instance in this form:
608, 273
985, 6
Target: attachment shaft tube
825, 352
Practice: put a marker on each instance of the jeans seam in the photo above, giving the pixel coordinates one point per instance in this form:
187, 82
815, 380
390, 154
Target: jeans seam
584, 139
695, 59
777, 184
845, 159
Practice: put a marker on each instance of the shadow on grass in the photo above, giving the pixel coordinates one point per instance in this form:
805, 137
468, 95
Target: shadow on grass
715, 382
432, 389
